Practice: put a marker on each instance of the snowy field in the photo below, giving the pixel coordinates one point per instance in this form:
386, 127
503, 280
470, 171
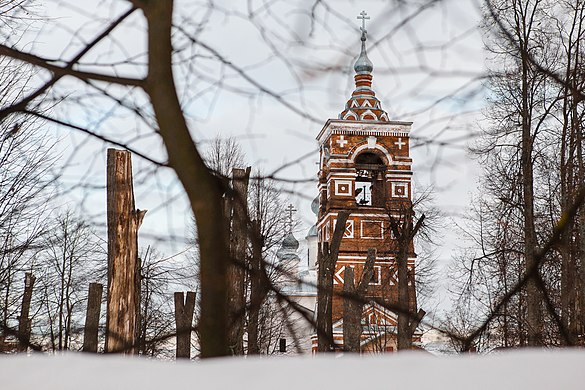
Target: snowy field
558, 370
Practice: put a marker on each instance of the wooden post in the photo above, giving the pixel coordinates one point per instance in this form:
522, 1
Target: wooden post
23, 321
183, 321
92, 317
236, 269
123, 265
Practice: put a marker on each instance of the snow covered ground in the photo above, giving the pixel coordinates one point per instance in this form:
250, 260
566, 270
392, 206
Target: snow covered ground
534, 370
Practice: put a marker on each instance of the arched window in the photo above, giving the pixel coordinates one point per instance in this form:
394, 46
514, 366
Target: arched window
369, 183
368, 158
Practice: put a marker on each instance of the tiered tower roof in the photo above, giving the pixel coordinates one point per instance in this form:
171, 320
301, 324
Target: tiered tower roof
363, 104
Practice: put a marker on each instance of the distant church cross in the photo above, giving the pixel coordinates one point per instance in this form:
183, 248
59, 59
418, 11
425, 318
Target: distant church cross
342, 141
290, 209
363, 16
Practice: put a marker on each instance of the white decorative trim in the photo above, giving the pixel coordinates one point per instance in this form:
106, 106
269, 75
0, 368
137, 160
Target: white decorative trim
398, 172
350, 161
338, 279
377, 146
400, 143
350, 113
349, 227
343, 174
368, 113
377, 268
362, 259
362, 235
399, 176
398, 185
338, 187
372, 215
380, 128
341, 141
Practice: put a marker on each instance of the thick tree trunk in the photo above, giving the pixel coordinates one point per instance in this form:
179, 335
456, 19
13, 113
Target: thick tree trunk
581, 237
183, 322
258, 289
24, 320
92, 318
204, 190
353, 302
327, 259
352, 313
404, 338
404, 233
324, 299
236, 268
534, 307
123, 265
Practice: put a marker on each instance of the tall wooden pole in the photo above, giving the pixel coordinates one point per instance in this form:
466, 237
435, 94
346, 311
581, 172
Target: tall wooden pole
123, 265
92, 317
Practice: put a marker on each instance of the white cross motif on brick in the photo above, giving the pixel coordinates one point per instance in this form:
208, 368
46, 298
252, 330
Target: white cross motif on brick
342, 142
400, 143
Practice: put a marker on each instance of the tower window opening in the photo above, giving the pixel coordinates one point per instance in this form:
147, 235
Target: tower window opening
369, 183
363, 193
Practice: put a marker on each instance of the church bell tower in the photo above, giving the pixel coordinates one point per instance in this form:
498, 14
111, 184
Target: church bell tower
365, 168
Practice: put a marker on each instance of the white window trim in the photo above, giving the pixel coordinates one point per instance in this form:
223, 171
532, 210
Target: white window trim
368, 237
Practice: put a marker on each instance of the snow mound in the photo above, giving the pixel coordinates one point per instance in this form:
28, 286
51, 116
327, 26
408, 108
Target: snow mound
532, 370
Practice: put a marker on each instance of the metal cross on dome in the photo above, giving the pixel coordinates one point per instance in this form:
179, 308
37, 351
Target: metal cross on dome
363, 16
290, 209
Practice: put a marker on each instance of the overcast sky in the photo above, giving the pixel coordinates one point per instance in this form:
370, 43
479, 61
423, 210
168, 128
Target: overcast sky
427, 70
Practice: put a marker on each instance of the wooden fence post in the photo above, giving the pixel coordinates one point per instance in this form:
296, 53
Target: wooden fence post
24, 323
123, 265
92, 317
183, 321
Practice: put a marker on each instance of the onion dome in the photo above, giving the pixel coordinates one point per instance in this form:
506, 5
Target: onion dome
312, 231
315, 206
290, 242
288, 249
363, 104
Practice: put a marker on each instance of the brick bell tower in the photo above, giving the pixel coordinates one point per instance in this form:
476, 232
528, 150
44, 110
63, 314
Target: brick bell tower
365, 167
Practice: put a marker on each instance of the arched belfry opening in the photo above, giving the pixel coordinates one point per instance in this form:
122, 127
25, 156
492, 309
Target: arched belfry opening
369, 182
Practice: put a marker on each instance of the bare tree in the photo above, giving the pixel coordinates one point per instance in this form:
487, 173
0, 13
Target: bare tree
144, 86
523, 275
70, 261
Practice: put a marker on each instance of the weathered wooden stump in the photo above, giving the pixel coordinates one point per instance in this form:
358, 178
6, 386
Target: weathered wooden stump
123, 264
